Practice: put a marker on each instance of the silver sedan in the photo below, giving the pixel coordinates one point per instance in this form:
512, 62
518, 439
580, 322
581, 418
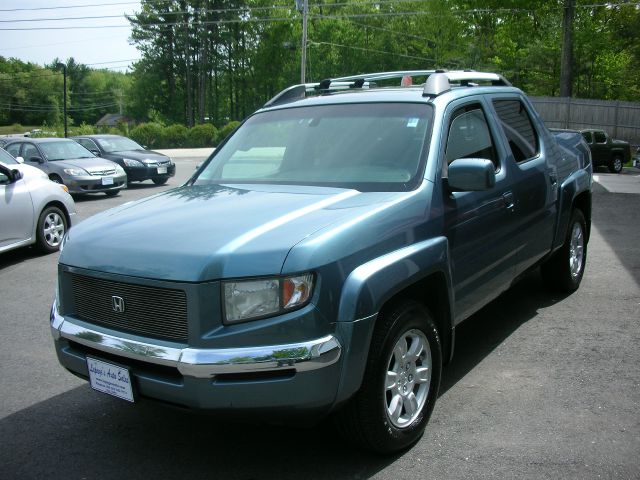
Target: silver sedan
33, 209
65, 161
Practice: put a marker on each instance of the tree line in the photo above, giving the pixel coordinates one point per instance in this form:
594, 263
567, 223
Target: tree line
215, 61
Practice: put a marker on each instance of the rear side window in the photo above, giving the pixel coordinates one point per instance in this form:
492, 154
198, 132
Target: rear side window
588, 137
600, 137
13, 149
518, 128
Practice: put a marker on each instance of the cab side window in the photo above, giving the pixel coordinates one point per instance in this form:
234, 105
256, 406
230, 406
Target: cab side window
29, 151
588, 137
600, 137
518, 128
469, 136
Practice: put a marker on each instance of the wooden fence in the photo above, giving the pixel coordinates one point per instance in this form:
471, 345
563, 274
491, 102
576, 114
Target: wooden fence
621, 120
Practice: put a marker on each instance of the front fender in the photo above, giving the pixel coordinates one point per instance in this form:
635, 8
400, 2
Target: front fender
369, 287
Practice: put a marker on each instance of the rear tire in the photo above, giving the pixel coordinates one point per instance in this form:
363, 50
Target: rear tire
615, 166
52, 225
400, 385
564, 270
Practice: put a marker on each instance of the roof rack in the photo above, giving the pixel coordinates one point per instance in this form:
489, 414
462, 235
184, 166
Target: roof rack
438, 82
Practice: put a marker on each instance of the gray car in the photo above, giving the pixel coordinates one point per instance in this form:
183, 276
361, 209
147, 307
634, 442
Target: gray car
33, 209
65, 161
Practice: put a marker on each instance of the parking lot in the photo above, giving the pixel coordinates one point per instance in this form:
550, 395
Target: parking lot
541, 386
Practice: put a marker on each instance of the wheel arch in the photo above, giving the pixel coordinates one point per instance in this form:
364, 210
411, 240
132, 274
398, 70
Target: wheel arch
419, 272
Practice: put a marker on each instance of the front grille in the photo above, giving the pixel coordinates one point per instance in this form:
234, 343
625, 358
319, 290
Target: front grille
148, 311
102, 173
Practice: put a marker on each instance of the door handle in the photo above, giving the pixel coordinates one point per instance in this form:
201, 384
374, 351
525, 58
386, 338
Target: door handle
509, 201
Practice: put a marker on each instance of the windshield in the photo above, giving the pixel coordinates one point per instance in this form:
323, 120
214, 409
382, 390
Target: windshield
64, 150
117, 144
369, 147
7, 158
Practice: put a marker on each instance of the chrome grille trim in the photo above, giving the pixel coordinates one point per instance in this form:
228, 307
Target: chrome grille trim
152, 312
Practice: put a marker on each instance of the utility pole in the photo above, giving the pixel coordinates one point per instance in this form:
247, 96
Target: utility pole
303, 6
64, 95
566, 76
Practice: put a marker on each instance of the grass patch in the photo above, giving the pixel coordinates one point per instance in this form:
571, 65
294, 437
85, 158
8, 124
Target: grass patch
15, 129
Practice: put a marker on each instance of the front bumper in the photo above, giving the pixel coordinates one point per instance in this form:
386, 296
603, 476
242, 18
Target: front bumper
149, 172
94, 183
303, 376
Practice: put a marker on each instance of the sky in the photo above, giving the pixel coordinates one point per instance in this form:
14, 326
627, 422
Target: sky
100, 46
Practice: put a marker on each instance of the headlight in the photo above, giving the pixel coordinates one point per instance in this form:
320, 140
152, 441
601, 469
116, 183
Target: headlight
251, 299
132, 163
75, 172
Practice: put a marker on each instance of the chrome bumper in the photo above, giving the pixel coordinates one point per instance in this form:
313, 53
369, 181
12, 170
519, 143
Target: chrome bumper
206, 363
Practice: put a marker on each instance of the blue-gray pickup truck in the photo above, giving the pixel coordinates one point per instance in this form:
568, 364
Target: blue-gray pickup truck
319, 261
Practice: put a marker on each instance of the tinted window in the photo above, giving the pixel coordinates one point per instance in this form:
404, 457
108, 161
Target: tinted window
469, 136
88, 144
587, 136
600, 137
518, 128
373, 146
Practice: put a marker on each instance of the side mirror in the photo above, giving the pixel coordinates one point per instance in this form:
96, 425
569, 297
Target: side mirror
19, 159
95, 152
471, 175
16, 175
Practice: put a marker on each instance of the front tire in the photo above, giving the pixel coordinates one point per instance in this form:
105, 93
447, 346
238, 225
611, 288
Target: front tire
401, 380
564, 270
112, 193
159, 181
52, 225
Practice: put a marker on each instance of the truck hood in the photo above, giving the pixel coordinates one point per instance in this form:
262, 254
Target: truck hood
202, 233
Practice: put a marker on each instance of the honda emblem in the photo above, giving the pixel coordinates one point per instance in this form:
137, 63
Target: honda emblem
118, 304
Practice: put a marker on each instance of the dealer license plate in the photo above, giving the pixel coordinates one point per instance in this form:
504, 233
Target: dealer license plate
162, 169
110, 379
107, 180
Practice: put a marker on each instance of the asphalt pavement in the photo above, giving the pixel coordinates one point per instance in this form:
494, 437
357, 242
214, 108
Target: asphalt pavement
541, 386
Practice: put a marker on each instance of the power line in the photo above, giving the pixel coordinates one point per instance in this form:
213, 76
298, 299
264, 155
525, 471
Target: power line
371, 50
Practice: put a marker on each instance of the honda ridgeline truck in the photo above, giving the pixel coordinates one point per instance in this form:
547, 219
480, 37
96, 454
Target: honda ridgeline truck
321, 259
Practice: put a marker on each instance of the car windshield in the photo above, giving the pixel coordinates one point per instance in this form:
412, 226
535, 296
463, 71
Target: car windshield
64, 150
117, 144
368, 146
7, 158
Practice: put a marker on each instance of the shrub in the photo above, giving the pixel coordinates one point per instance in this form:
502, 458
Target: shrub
226, 130
175, 136
204, 135
83, 129
148, 134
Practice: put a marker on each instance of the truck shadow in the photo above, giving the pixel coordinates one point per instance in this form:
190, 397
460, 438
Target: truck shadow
484, 331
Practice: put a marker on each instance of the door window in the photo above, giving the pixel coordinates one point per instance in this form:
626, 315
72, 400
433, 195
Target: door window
14, 149
30, 151
469, 136
600, 137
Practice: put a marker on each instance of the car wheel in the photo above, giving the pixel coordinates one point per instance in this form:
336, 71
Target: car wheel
112, 193
52, 225
56, 179
564, 270
401, 380
159, 181
615, 166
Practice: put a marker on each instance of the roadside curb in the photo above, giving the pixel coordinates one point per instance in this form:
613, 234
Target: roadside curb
186, 152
